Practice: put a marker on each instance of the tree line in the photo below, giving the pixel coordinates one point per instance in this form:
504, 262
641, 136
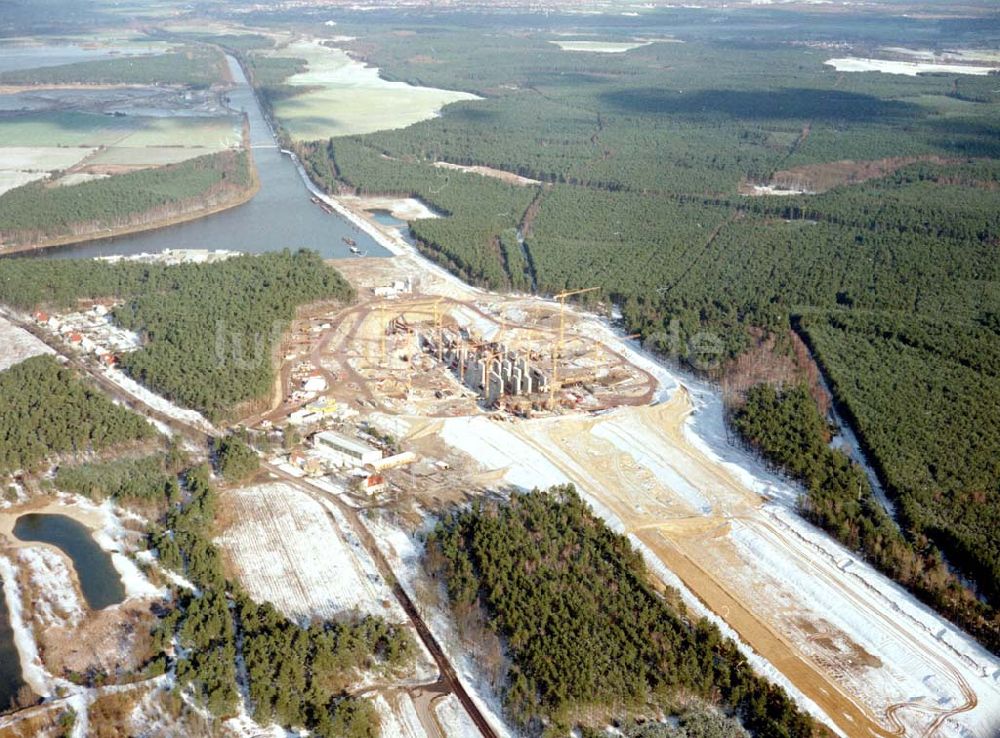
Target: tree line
37, 212
586, 633
209, 331
786, 428
46, 410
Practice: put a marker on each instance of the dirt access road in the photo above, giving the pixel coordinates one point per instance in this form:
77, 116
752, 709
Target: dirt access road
448, 681
760, 570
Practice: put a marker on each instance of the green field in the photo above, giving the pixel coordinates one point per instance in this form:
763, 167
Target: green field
92, 129
341, 96
194, 66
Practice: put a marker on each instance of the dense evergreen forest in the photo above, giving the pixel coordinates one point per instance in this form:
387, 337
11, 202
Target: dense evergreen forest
46, 411
237, 462
787, 429
209, 331
39, 212
127, 481
295, 676
191, 66
643, 160
588, 637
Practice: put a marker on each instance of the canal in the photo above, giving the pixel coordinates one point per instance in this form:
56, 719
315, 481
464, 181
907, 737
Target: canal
280, 216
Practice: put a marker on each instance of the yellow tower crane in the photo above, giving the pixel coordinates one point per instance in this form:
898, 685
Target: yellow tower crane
557, 354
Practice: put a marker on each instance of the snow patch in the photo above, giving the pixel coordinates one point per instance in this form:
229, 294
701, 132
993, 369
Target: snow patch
495, 448
910, 69
33, 673
56, 601
18, 345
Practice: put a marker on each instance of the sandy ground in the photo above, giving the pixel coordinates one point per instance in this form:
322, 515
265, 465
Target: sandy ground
503, 176
404, 208
849, 642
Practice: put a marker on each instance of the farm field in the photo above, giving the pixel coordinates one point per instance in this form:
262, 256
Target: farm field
908, 68
84, 145
287, 548
602, 47
12, 178
346, 97
48, 139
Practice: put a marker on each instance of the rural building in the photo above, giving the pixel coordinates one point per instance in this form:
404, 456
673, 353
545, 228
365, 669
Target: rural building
392, 462
343, 451
373, 484
314, 383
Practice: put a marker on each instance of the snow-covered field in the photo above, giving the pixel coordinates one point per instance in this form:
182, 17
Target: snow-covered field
20, 165
912, 69
16, 345
602, 47
288, 551
11, 178
41, 158
489, 443
76, 178
346, 96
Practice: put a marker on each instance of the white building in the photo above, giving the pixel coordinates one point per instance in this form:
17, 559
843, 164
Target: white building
314, 383
343, 451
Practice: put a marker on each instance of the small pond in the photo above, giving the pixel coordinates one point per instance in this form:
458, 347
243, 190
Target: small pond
99, 580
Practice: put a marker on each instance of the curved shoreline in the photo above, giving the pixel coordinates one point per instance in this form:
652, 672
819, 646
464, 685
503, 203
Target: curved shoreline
243, 198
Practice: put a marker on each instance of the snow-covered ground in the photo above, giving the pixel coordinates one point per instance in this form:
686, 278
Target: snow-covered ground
873, 639
56, 602
911, 69
403, 554
33, 673
11, 179
288, 551
160, 404
778, 191
600, 47
455, 721
16, 345
399, 719
494, 447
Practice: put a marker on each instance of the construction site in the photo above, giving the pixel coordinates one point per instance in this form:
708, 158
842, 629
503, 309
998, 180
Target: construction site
481, 393
434, 355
